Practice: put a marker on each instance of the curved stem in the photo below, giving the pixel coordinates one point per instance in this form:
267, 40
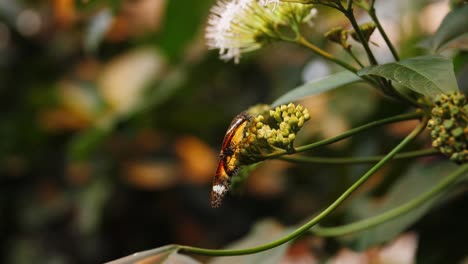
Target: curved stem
359, 160
304, 42
374, 17
393, 213
356, 130
303, 229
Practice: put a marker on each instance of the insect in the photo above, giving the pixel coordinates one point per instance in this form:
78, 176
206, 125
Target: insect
228, 163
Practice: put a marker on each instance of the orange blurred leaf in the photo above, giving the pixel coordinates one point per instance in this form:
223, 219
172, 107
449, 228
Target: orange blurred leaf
198, 159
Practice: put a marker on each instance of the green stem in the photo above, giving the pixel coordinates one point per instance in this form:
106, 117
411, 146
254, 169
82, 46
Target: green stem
359, 160
374, 17
393, 213
351, 53
302, 41
303, 229
350, 15
359, 129
349, 4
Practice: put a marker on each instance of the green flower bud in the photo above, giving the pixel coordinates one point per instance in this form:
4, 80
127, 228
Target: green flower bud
271, 141
271, 130
338, 35
457, 132
367, 29
293, 121
449, 126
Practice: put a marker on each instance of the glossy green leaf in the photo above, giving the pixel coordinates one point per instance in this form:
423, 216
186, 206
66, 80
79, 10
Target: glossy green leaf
318, 86
427, 75
418, 180
454, 25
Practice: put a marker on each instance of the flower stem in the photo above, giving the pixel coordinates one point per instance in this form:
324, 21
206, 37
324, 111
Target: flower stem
359, 129
304, 228
348, 12
374, 17
393, 213
351, 53
359, 160
304, 42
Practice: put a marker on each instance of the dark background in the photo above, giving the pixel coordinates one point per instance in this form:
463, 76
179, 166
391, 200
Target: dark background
113, 112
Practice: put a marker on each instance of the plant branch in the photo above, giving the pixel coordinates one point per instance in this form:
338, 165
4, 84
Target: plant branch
374, 17
384, 84
349, 5
351, 53
359, 129
304, 228
304, 42
349, 13
359, 160
393, 213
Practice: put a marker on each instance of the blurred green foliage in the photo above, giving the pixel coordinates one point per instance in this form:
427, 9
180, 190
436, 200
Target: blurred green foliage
108, 147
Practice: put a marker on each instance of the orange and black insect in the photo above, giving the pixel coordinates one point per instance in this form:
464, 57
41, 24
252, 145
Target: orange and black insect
228, 165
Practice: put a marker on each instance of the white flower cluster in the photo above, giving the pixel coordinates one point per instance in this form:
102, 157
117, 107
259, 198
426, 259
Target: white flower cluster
239, 26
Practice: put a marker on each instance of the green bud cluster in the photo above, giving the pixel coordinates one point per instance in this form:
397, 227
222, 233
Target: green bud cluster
449, 126
340, 36
273, 130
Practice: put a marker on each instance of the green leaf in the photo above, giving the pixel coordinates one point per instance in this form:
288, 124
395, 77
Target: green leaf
418, 180
166, 254
454, 25
318, 86
427, 75
263, 232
